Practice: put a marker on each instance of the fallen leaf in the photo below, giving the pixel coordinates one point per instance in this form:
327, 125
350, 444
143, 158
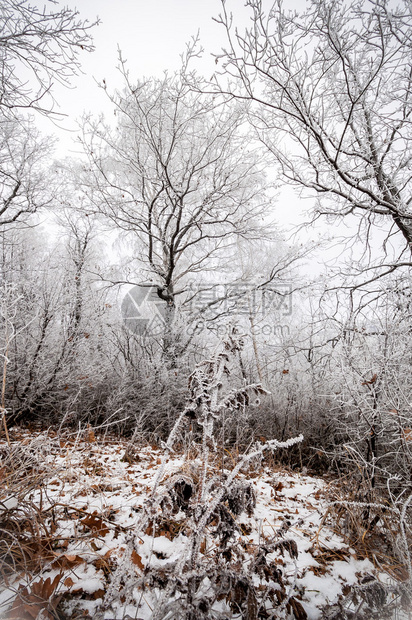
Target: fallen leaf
137, 560
38, 599
98, 594
95, 523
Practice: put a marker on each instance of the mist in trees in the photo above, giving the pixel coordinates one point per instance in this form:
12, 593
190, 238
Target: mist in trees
330, 89
172, 204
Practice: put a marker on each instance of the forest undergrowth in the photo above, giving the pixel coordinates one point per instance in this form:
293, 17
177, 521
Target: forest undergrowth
99, 527
279, 546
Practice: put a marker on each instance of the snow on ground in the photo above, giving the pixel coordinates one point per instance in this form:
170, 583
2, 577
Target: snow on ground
91, 496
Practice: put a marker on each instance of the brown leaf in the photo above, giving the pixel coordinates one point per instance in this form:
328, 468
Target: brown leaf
407, 434
45, 589
375, 376
90, 437
137, 560
298, 610
67, 561
279, 486
95, 524
98, 594
39, 597
103, 563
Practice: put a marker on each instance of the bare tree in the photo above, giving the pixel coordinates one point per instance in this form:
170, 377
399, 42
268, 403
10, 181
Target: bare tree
24, 178
38, 46
179, 175
57, 350
331, 89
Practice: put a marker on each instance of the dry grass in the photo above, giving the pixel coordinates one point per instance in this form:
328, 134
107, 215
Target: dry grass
29, 545
370, 527
26, 539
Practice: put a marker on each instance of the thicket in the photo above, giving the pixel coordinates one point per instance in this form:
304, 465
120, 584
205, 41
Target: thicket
191, 202
203, 502
69, 362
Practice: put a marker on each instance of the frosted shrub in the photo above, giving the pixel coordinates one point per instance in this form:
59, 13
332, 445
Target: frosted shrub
203, 502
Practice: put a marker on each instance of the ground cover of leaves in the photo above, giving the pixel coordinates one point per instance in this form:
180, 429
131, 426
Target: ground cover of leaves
67, 506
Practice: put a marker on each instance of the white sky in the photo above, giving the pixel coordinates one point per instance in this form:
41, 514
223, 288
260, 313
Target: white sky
151, 34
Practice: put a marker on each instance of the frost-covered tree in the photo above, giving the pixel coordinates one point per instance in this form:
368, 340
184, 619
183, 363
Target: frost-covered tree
178, 174
58, 360
39, 45
25, 182
330, 89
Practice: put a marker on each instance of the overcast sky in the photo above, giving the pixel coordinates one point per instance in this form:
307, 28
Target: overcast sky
151, 34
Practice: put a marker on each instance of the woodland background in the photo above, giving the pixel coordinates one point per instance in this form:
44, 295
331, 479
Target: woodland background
177, 194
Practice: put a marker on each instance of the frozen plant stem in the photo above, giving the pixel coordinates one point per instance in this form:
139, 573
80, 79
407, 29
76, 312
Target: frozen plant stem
403, 526
3, 394
207, 504
207, 405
